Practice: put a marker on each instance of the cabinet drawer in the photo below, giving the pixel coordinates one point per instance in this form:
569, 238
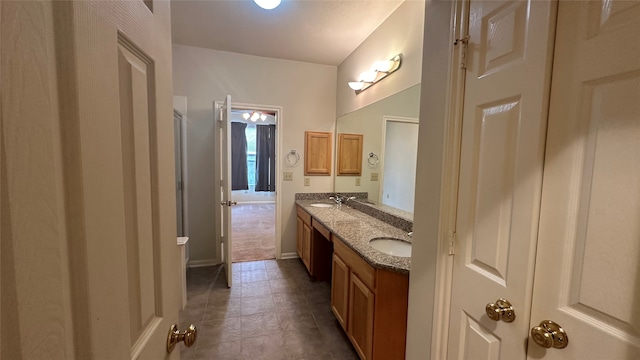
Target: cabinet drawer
321, 229
365, 272
306, 218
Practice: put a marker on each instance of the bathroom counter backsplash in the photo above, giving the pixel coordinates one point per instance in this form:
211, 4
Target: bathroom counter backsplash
356, 229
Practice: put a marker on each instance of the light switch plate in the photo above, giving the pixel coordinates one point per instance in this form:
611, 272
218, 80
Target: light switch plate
307, 181
287, 176
374, 176
357, 181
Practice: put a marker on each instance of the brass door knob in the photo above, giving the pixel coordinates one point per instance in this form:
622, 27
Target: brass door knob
228, 203
550, 334
501, 310
175, 336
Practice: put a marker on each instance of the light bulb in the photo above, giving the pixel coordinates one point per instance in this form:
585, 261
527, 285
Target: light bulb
356, 85
246, 116
383, 65
255, 116
369, 76
268, 4
263, 117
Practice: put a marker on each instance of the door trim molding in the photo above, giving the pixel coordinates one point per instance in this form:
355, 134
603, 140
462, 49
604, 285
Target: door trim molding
449, 194
383, 147
279, 134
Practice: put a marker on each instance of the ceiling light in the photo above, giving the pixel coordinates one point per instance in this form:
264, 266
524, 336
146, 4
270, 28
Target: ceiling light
380, 70
246, 116
255, 116
267, 4
263, 117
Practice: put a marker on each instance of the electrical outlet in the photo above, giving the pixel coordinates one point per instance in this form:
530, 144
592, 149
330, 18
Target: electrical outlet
357, 181
287, 176
307, 181
374, 176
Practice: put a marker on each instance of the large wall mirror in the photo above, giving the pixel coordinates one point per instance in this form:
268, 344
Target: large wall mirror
390, 137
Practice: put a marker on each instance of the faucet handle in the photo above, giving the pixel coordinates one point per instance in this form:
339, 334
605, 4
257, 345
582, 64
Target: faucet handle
410, 234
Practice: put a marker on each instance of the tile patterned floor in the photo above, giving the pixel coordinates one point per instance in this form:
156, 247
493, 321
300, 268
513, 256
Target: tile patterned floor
253, 228
272, 312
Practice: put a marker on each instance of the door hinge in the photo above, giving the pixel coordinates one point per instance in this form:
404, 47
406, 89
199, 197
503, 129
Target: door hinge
463, 50
452, 243
220, 118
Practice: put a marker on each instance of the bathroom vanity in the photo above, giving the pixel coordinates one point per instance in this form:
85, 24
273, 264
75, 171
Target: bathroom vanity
369, 289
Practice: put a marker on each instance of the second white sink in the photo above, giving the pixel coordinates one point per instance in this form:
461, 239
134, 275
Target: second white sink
390, 246
322, 205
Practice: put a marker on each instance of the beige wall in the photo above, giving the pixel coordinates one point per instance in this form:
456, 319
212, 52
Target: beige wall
400, 33
307, 94
437, 60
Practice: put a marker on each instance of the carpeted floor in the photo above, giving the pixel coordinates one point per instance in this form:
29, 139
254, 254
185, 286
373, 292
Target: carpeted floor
253, 231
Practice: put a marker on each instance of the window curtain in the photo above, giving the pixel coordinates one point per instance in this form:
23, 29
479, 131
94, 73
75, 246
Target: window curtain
266, 158
239, 178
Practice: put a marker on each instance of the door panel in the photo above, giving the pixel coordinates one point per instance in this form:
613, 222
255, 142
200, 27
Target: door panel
503, 131
106, 237
142, 247
223, 169
589, 232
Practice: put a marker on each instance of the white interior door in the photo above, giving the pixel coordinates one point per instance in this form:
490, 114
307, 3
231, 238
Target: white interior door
503, 133
587, 276
223, 222
88, 207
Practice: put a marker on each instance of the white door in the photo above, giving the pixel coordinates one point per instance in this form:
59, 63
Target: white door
587, 275
89, 258
223, 222
503, 133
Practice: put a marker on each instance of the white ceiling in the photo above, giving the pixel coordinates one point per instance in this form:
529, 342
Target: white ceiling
316, 31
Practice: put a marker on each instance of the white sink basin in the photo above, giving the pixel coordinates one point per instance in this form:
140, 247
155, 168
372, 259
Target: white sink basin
322, 205
391, 246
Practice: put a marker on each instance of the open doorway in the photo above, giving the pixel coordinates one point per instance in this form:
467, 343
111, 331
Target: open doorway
253, 163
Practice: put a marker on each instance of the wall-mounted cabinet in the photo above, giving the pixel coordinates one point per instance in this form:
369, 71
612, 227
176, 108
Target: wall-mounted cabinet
349, 155
317, 153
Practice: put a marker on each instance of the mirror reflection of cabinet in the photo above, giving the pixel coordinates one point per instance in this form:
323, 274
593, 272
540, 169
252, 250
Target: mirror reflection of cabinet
317, 153
349, 156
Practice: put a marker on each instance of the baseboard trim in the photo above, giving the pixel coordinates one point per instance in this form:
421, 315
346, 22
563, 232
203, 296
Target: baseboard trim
290, 255
202, 263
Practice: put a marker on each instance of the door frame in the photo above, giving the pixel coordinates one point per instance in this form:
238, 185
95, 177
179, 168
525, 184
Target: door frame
449, 181
386, 119
183, 172
279, 133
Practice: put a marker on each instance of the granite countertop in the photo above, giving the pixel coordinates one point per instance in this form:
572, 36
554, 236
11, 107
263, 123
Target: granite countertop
356, 229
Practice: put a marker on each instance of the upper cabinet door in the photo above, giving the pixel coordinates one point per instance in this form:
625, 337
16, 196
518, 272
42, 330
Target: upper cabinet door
349, 156
317, 153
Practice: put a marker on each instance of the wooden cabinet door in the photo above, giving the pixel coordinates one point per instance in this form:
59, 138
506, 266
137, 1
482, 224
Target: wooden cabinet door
317, 153
306, 247
349, 156
360, 325
299, 237
340, 290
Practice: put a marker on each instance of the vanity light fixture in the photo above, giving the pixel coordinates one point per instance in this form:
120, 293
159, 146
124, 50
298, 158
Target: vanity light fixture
380, 70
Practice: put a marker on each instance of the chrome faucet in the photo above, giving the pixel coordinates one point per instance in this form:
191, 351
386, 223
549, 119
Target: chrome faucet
337, 198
